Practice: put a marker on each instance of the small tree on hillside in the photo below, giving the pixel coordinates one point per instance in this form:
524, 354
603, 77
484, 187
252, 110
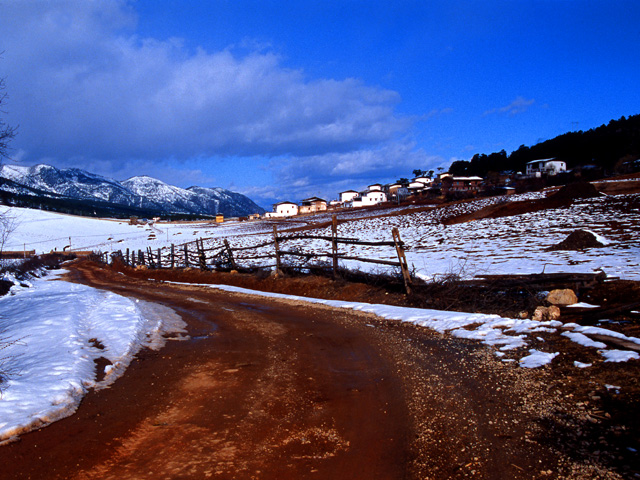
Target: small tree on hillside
7, 132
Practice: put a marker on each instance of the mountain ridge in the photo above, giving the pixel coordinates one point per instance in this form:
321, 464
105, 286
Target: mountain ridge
140, 192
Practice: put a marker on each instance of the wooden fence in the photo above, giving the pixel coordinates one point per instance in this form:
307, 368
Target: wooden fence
12, 255
226, 257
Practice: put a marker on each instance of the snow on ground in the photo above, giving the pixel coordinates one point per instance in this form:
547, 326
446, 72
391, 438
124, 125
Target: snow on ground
46, 231
508, 245
51, 334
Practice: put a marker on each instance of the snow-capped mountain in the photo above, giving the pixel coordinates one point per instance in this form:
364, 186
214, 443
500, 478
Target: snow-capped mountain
73, 183
162, 193
222, 200
140, 192
192, 199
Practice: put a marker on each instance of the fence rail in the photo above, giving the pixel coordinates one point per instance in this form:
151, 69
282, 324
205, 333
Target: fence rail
225, 257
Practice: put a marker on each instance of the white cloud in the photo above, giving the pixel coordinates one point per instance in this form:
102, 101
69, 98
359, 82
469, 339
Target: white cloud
519, 105
327, 174
84, 85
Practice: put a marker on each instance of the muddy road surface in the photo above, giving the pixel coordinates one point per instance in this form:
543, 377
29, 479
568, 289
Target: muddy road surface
273, 389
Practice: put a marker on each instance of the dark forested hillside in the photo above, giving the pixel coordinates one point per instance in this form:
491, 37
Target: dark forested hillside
613, 148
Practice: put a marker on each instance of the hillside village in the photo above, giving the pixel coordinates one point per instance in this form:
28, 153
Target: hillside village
424, 186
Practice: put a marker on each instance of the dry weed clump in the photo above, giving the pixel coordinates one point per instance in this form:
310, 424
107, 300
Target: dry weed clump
7, 370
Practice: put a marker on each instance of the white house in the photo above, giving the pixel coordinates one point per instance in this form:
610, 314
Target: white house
367, 199
426, 180
547, 166
348, 195
416, 186
283, 209
376, 187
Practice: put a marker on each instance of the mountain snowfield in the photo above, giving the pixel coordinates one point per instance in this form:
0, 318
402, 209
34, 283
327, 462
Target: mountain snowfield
141, 191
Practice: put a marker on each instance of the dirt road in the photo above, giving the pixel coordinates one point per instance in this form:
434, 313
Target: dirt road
272, 389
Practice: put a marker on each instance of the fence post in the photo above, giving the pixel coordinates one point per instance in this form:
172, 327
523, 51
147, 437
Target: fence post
159, 259
402, 259
230, 254
201, 256
173, 256
186, 256
126, 261
140, 257
277, 247
334, 244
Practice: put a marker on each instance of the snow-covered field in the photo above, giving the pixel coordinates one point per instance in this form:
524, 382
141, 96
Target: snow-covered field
52, 332
55, 330
508, 245
47, 231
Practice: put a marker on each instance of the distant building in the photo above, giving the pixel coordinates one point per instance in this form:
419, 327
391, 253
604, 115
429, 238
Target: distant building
416, 186
283, 209
425, 180
397, 191
348, 195
546, 166
367, 199
219, 218
465, 184
312, 205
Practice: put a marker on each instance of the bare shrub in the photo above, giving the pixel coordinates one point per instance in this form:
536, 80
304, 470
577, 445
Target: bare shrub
8, 224
7, 370
31, 266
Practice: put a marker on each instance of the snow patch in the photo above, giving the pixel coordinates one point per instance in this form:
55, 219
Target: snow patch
536, 358
583, 340
619, 355
582, 365
61, 328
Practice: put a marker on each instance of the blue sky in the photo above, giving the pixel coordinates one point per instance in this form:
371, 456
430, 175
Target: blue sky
282, 100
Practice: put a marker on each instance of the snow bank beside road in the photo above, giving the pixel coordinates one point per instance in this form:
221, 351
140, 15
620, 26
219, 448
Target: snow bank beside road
55, 331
